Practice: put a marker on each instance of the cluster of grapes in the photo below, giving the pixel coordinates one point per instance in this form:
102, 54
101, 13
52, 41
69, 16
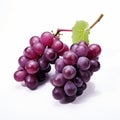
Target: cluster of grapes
35, 62
74, 70
74, 67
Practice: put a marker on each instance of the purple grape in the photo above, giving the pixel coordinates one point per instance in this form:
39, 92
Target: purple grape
22, 61
70, 88
73, 47
34, 39
30, 53
46, 39
63, 50
58, 93
82, 50
43, 64
94, 51
69, 72
78, 81
32, 67
50, 54
39, 48
83, 63
79, 92
20, 75
85, 75
58, 80
83, 43
70, 58
20, 68
31, 82
94, 66
41, 76
53, 62
59, 65
47, 69
68, 99
57, 45
83, 87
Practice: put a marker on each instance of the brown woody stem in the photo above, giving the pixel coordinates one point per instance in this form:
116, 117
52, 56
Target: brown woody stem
60, 30
99, 18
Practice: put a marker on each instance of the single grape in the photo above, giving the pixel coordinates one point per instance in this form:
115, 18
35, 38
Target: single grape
82, 50
32, 67
20, 75
63, 50
57, 45
83, 43
74, 47
83, 63
31, 82
85, 75
20, 68
81, 89
94, 65
30, 53
22, 61
79, 92
58, 80
47, 69
58, 93
70, 88
70, 58
39, 48
94, 51
68, 99
69, 72
53, 61
78, 81
50, 54
41, 76
43, 64
33, 40
59, 64
46, 39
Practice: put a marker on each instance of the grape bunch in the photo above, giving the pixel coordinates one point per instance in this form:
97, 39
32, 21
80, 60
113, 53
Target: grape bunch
37, 58
74, 70
74, 67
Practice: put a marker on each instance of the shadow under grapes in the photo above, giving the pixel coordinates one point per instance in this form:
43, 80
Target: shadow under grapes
89, 92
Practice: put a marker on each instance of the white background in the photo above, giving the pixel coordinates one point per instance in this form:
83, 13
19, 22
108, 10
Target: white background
21, 19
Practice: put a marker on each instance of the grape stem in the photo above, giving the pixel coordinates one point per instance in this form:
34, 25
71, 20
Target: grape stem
60, 30
70, 30
98, 20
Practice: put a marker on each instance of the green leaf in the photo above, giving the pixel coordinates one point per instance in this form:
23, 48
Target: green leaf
80, 32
